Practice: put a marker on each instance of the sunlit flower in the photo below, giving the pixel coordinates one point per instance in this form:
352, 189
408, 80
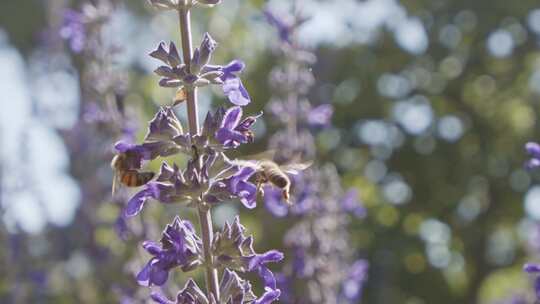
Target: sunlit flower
235, 131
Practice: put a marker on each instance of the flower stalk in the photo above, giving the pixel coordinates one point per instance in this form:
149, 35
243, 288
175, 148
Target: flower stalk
208, 179
205, 216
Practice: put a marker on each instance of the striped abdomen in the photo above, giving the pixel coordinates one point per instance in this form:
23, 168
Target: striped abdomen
133, 178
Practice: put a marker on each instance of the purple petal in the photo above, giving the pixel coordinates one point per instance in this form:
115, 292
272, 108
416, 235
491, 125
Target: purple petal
537, 288
174, 57
268, 277
269, 296
234, 66
531, 268
264, 258
152, 247
533, 149
143, 277
247, 193
321, 115
532, 163
121, 228
274, 202
159, 298
232, 118
235, 91
136, 203
158, 276
230, 138
350, 203
160, 53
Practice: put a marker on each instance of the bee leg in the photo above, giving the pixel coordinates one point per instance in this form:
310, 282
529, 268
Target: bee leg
114, 184
260, 190
286, 196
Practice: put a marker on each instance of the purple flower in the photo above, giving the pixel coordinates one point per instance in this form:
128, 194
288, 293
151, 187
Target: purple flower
136, 203
235, 251
533, 149
239, 186
234, 131
320, 116
270, 295
233, 290
169, 57
203, 54
232, 85
350, 203
353, 285
164, 126
180, 247
284, 28
74, 30
172, 185
121, 228
258, 263
531, 268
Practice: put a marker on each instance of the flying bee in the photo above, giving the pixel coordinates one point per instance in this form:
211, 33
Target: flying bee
127, 176
269, 172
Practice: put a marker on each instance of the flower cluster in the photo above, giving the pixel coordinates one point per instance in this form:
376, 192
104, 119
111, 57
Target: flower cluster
200, 73
208, 179
321, 263
77, 25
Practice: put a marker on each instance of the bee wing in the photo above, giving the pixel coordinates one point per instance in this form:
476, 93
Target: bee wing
114, 183
245, 163
268, 154
295, 168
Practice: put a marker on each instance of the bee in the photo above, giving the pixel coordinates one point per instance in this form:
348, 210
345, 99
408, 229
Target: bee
127, 176
269, 172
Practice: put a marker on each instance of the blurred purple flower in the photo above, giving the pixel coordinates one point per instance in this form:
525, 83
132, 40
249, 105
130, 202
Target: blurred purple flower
320, 116
283, 27
121, 228
353, 285
74, 30
533, 149
180, 247
350, 203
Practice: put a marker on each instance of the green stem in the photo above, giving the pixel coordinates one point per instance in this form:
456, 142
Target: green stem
205, 216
